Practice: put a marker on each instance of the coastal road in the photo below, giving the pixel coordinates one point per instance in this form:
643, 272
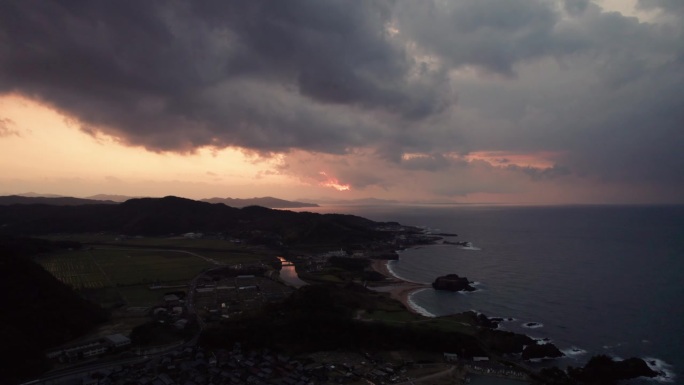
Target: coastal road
446, 374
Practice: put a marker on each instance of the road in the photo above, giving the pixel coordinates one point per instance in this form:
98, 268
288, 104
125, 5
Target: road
210, 260
444, 374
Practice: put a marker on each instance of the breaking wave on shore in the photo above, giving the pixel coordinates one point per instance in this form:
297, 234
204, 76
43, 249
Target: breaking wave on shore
417, 308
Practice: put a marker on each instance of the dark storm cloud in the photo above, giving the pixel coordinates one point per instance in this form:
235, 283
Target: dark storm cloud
490, 34
432, 162
178, 75
575, 7
544, 173
604, 91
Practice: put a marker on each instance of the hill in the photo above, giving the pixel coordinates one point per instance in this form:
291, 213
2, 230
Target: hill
36, 310
270, 202
38, 195
173, 215
110, 197
55, 201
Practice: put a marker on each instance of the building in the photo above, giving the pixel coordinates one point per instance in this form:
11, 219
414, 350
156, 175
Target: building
117, 340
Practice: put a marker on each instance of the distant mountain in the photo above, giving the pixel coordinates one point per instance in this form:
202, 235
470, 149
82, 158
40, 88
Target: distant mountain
173, 215
111, 197
38, 195
270, 202
361, 201
54, 201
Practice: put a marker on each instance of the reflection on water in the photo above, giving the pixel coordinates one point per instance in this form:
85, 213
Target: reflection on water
289, 275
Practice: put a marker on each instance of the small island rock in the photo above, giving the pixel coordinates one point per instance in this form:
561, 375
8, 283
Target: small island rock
452, 282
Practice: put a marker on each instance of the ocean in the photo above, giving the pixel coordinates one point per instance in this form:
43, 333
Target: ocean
592, 279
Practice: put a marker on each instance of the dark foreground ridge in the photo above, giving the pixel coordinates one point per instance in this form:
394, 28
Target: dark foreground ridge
36, 310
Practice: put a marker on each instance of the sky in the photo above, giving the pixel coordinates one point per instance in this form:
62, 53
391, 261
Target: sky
463, 101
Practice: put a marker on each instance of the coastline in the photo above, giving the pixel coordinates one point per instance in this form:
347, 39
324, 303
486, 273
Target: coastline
397, 288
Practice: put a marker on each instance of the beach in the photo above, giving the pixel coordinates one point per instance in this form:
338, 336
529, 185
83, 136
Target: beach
397, 288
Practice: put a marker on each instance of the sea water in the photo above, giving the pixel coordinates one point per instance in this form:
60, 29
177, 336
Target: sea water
592, 279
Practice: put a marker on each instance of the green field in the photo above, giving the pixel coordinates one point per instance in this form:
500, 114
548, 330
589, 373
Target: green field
114, 240
96, 268
76, 269
108, 275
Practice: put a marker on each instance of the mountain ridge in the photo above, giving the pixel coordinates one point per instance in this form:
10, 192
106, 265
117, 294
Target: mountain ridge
268, 201
174, 215
52, 200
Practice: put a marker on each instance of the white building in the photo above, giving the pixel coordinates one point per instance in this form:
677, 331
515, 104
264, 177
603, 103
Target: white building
118, 340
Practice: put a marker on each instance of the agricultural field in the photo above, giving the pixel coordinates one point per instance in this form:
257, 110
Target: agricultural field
132, 267
85, 269
109, 276
76, 269
163, 243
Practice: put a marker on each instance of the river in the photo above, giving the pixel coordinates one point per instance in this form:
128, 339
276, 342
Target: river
289, 275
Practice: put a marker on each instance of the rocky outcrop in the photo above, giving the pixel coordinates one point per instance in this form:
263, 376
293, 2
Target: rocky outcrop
603, 369
452, 282
547, 350
477, 319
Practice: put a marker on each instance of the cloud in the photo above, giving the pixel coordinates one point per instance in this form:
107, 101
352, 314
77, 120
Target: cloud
665, 5
175, 76
7, 128
406, 87
544, 173
575, 7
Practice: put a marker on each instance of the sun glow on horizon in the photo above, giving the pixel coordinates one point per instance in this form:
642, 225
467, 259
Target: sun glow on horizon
334, 183
42, 145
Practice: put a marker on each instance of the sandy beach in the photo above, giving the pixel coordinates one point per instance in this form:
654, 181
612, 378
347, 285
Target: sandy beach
398, 289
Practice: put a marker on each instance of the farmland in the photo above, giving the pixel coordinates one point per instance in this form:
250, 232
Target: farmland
112, 275
76, 269
85, 269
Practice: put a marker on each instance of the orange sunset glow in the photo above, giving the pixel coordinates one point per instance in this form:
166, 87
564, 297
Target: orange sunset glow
398, 104
334, 183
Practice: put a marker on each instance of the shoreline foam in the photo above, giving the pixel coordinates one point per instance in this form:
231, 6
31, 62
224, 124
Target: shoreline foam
417, 308
666, 372
393, 274
400, 289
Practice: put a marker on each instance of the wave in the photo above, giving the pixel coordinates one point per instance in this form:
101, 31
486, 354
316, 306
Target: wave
573, 351
463, 292
665, 370
533, 325
471, 247
417, 308
391, 270
542, 340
